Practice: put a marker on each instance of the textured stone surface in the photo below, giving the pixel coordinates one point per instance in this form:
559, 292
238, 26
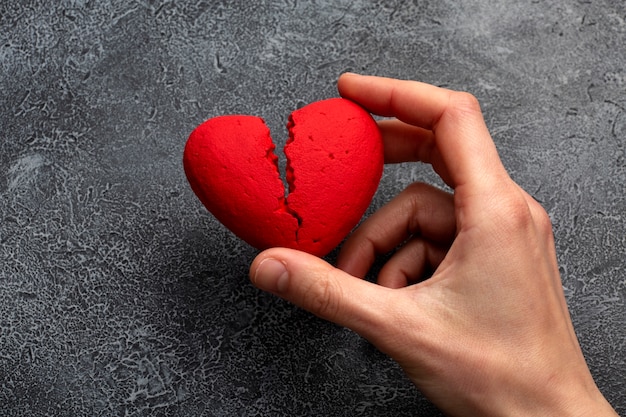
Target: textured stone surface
121, 295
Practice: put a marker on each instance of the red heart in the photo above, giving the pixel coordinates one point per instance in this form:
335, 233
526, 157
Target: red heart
334, 164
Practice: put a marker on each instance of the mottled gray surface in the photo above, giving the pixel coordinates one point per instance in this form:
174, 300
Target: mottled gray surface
121, 295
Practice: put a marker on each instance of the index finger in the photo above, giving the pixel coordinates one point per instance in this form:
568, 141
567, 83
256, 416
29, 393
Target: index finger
461, 137
413, 102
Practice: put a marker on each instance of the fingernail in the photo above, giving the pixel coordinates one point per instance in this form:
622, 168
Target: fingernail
271, 275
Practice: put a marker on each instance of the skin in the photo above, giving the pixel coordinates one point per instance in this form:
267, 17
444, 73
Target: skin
489, 332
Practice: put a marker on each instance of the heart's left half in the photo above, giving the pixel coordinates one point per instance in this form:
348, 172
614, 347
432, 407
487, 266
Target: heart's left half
334, 164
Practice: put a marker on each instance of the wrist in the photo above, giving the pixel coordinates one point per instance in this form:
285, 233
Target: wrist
578, 397
593, 404
569, 394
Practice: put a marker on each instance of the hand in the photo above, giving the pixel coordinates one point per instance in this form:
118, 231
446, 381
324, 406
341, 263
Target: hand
488, 333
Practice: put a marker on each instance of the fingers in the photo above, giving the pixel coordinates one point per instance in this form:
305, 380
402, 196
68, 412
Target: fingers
412, 102
462, 144
316, 286
420, 211
412, 263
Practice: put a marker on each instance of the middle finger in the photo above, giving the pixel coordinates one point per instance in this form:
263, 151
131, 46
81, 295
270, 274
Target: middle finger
420, 210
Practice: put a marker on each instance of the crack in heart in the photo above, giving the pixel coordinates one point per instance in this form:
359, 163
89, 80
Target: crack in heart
289, 176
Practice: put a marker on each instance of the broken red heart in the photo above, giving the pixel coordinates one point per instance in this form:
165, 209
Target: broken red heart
334, 164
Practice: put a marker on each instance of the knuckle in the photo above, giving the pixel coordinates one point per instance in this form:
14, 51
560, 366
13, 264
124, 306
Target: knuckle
544, 223
518, 213
421, 196
465, 102
323, 296
514, 213
417, 187
520, 216
413, 192
415, 200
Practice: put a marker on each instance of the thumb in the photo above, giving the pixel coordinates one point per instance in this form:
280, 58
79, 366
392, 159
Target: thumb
314, 285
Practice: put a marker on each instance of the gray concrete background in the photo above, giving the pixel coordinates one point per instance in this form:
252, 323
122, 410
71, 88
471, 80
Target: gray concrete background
121, 295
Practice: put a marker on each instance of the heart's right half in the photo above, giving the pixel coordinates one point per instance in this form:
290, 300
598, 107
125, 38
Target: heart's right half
334, 164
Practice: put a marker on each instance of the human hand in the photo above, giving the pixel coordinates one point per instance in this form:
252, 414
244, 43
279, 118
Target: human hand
489, 332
